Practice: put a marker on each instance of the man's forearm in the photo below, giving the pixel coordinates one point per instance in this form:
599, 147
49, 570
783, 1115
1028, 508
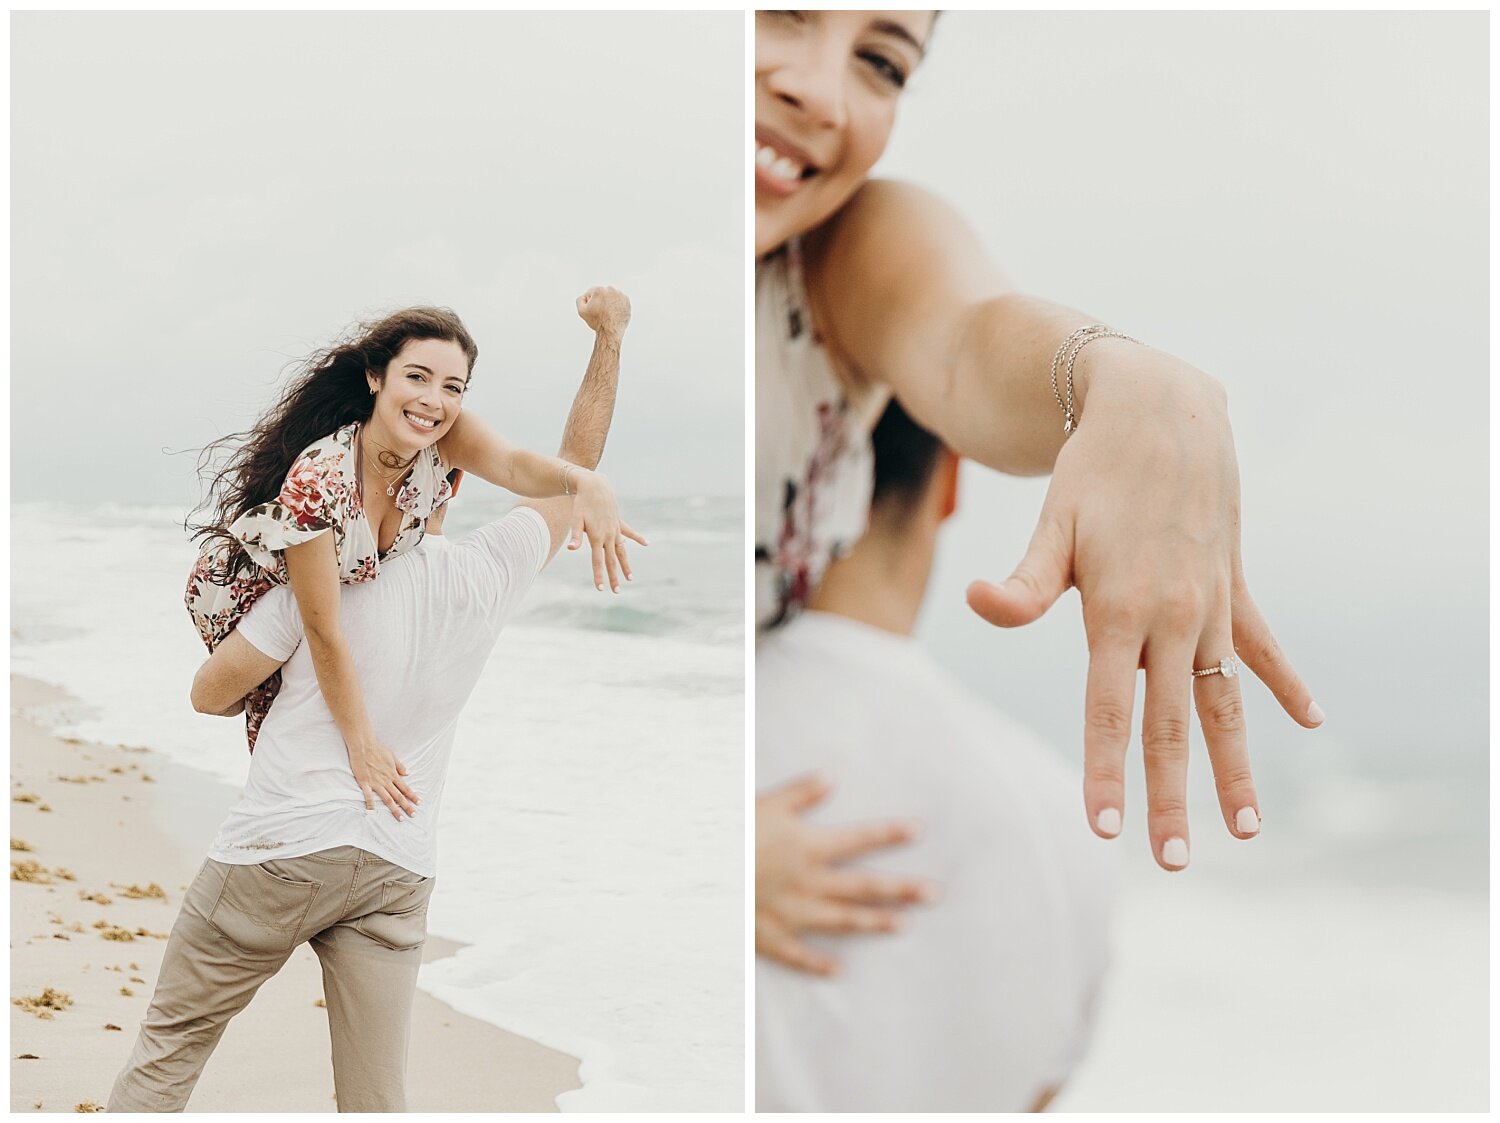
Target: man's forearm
594, 405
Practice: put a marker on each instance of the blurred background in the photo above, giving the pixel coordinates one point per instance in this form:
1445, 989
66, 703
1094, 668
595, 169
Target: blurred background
1298, 205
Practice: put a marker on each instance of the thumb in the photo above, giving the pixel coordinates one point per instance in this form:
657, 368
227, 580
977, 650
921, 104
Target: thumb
1043, 575
574, 533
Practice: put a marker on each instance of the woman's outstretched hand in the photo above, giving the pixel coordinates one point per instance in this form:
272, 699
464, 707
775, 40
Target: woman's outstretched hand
379, 775
1143, 516
596, 514
799, 887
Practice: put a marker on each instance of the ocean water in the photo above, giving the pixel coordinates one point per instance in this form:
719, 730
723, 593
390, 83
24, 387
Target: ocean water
592, 848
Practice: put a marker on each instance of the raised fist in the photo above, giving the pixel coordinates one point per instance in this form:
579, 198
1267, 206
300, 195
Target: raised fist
605, 308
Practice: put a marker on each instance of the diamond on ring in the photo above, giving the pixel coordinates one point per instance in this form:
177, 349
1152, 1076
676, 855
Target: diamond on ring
1228, 667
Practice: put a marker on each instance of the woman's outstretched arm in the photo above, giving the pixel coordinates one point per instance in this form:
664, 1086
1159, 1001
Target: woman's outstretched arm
312, 572
1143, 511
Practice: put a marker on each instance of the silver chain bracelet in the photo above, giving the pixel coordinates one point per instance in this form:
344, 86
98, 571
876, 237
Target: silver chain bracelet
1075, 343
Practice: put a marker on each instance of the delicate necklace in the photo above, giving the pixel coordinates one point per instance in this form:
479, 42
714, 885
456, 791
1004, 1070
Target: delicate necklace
400, 472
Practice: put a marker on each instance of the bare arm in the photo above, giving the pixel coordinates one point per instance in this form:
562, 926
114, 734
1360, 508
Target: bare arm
607, 311
234, 669
1142, 515
474, 446
913, 302
312, 572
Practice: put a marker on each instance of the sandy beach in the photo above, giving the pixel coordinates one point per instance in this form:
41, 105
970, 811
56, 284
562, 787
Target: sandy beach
104, 839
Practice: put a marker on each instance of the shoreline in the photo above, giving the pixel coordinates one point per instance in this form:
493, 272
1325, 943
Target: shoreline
101, 876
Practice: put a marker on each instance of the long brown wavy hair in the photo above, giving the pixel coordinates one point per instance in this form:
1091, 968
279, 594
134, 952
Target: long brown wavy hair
328, 392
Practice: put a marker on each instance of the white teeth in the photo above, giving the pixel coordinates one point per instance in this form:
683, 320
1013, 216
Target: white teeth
422, 421
782, 167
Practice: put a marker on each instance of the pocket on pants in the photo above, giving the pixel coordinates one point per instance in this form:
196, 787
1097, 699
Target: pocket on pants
401, 921
262, 910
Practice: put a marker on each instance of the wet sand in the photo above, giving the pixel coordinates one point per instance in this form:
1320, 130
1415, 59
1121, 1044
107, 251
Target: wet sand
97, 832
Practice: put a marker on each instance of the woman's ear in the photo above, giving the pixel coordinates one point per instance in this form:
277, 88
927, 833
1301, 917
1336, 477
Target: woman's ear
373, 380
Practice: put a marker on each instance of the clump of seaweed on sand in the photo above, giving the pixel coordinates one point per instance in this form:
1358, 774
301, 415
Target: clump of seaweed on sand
30, 871
136, 893
43, 1005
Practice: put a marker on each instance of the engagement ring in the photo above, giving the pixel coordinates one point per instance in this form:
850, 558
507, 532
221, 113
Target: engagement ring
1227, 667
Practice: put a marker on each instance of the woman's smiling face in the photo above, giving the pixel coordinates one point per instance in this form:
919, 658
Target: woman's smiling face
419, 398
826, 88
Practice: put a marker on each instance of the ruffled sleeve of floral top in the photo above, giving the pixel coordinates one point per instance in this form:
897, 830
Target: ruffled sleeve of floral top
316, 498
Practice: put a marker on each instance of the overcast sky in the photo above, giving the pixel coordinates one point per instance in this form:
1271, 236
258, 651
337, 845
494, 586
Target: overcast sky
200, 197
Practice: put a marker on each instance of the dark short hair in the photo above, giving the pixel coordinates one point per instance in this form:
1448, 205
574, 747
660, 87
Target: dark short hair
905, 456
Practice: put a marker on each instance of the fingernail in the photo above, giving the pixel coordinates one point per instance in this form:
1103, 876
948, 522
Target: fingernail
1246, 821
1174, 852
600, 586
1315, 714
1108, 821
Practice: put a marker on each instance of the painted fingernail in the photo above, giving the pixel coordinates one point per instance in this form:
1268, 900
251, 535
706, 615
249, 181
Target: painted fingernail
1315, 714
1108, 821
1174, 853
1246, 821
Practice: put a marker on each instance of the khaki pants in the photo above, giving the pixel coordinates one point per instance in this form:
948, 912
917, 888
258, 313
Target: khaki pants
367, 920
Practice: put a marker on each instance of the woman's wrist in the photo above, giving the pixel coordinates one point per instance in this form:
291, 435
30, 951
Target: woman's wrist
583, 480
1118, 373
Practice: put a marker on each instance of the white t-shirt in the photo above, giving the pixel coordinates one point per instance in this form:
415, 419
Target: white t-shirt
984, 1000
420, 634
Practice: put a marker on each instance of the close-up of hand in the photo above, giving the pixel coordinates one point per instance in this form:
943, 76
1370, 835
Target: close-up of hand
605, 309
1143, 517
597, 514
379, 775
801, 888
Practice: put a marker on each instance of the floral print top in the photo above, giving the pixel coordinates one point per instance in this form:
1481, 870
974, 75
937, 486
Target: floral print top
814, 468
321, 495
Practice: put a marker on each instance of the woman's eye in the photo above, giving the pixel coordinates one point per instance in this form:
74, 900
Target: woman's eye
888, 69
454, 388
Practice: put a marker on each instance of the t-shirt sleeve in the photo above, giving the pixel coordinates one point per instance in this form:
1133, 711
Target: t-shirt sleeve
273, 626
314, 496
514, 549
